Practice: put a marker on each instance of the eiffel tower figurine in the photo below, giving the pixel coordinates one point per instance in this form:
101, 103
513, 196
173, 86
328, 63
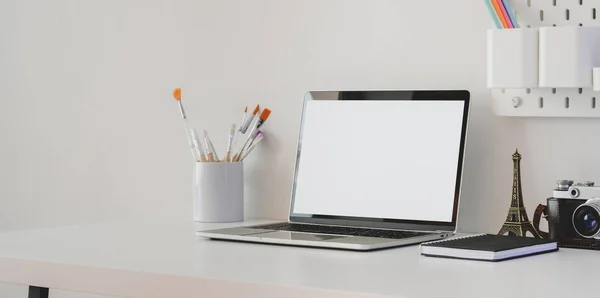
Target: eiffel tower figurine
517, 223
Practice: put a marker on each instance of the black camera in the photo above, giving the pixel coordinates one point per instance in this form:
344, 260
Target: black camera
573, 214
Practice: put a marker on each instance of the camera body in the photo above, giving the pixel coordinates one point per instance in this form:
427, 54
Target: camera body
573, 214
567, 189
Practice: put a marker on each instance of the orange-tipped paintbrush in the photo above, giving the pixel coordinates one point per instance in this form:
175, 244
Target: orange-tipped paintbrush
195, 151
249, 121
259, 122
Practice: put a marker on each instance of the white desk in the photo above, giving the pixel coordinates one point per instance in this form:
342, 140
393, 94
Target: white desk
167, 260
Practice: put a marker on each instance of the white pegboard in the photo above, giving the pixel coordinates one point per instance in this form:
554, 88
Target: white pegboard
546, 102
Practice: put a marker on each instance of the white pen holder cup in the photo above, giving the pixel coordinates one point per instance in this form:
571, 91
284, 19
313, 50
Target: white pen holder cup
512, 58
219, 192
567, 56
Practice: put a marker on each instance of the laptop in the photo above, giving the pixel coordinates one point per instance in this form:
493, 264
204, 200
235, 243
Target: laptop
374, 169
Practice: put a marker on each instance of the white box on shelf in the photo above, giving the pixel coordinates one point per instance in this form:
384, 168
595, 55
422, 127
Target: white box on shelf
568, 55
596, 78
512, 58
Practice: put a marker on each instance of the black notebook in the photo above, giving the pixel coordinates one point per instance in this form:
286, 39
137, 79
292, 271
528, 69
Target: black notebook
488, 247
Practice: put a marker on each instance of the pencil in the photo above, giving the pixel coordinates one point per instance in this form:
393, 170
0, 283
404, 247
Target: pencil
511, 14
505, 14
499, 13
493, 15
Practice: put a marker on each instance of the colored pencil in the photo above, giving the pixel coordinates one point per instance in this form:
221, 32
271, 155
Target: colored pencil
493, 15
511, 13
499, 13
505, 14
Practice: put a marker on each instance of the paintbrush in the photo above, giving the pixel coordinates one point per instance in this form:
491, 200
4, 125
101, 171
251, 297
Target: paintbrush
230, 143
195, 151
198, 146
259, 122
258, 139
247, 124
243, 123
210, 150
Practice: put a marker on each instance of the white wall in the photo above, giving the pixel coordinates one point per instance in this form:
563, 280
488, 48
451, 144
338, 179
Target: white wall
90, 131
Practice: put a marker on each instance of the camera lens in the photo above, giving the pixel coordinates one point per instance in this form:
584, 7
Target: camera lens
586, 221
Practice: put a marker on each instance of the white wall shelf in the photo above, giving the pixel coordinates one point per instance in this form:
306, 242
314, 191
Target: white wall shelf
557, 50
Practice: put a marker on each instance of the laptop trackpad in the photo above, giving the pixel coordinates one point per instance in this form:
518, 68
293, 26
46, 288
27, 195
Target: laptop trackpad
297, 236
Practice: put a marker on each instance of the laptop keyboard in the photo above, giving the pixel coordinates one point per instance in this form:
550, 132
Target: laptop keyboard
318, 229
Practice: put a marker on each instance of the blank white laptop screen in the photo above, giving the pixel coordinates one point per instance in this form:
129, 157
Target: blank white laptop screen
379, 159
